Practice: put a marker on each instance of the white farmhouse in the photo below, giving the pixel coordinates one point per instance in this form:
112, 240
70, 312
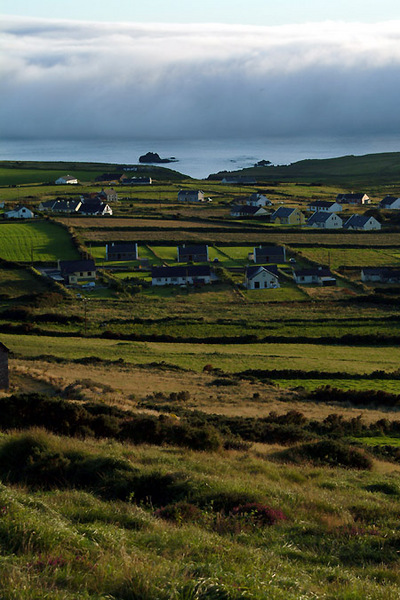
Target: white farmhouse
66, 179
19, 212
362, 223
258, 278
325, 220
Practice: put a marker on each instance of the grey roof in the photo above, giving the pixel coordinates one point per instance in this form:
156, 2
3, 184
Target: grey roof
190, 192
189, 271
319, 217
356, 221
192, 249
384, 272
322, 204
252, 271
282, 211
388, 200
263, 251
314, 271
244, 209
356, 196
72, 266
122, 246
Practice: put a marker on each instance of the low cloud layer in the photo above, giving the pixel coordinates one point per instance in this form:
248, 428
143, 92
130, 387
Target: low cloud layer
83, 80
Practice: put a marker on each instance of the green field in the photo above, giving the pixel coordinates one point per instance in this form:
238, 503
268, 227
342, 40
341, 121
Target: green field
34, 242
350, 257
229, 357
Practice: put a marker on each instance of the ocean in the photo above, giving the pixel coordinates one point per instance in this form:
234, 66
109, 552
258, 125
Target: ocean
197, 158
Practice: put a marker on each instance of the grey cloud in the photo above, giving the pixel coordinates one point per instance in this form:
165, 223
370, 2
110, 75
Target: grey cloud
81, 80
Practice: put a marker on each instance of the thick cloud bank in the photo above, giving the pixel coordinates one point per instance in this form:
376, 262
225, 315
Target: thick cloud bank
83, 80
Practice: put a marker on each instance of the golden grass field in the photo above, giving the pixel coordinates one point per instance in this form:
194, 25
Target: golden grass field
127, 386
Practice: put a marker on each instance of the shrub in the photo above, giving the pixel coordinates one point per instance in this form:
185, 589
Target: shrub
331, 453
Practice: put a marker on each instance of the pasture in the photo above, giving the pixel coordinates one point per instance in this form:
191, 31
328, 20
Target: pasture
231, 358
36, 241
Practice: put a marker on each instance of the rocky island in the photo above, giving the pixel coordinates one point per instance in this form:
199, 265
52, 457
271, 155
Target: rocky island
153, 157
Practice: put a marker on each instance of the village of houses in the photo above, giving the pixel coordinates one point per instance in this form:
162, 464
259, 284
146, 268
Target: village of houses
266, 262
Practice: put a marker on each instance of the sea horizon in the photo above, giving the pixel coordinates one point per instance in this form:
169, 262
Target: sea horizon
197, 158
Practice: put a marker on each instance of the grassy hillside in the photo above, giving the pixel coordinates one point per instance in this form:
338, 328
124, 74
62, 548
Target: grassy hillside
24, 172
351, 170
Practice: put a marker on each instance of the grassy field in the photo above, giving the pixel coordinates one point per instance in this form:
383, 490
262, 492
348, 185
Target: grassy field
229, 357
36, 241
336, 537
350, 257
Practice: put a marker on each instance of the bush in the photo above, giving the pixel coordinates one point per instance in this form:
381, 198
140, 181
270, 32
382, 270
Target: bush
331, 453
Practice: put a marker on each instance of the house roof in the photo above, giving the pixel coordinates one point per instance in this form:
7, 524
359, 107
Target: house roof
92, 207
356, 221
4, 347
356, 196
384, 272
49, 203
389, 200
253, 271
190, 192
322, 204
189, 271
244, 209
122, 246
269, 251
315, 271
282, 211
72, 266
321, 217
193, 249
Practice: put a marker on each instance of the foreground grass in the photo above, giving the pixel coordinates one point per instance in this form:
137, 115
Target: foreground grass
339, 538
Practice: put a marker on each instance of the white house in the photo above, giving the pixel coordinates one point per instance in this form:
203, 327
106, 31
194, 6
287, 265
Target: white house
258, 200
381, 274
191, 196
358, 198
244, 210
66, 179
323, 206
317, 275
390, 203
325, 220
19, 212
362, 223
257, 278
185, 275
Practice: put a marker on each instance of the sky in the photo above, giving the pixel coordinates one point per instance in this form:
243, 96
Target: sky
170, 69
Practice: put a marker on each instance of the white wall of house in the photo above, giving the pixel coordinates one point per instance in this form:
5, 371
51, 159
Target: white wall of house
332, 222
20, 213
180, 280
262, 280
